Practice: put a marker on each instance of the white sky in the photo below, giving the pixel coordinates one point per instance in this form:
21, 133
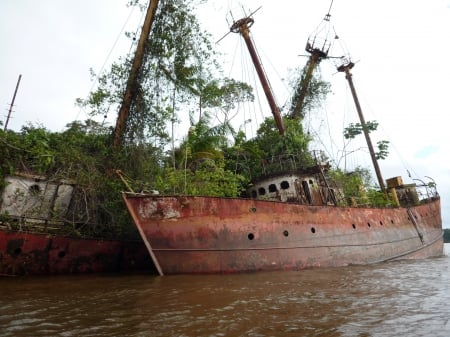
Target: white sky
401, 49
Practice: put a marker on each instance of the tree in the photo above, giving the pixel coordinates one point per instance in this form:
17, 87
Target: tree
355, 129
200, 164
269, 151
78, 155
357, 187
178, 58
309, 91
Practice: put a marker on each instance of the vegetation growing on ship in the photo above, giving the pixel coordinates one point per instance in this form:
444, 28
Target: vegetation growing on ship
303, 102
264, 153
197, 166
80, 155
355, 129
357, 187
179, 77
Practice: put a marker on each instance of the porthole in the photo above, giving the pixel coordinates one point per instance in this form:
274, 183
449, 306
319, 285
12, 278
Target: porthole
381, 223
254, 194
251, 236
354, 226
286, 233
272, 188
284, 185
34, 189
368, 224
313, 230
261, 191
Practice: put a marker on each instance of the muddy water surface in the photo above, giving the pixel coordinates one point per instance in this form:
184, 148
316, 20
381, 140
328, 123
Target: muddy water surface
408, 298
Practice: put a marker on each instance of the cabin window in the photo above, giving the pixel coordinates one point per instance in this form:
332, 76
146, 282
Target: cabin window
254, 194
262, 191
272, 188
284, 185
311, 182
251, 236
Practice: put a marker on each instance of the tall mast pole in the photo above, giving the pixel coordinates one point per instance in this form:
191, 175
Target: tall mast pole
314, 59
131, 88
242, 26
12, 103
317, 46
346, 69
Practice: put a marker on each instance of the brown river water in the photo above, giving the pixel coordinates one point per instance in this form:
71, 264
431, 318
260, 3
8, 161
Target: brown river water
406, 298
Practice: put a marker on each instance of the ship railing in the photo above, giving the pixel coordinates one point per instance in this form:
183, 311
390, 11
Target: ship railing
58, 227
290, 162
426, 190
30, 223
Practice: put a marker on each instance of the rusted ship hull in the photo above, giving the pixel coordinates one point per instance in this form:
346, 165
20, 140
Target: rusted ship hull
198, 235
23, 253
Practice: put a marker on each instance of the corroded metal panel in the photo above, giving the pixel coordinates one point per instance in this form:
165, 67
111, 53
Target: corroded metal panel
225, 235
35, 197
24, 253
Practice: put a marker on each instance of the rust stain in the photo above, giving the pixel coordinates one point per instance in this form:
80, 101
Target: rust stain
226, 235
23, 253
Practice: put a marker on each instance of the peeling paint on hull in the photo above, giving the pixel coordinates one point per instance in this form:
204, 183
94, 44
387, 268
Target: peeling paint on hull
23, 253
201, 235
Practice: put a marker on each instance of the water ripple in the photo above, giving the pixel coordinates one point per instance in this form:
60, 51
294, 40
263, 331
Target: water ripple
408, 298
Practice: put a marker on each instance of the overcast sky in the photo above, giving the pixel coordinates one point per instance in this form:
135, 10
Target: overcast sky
401, 49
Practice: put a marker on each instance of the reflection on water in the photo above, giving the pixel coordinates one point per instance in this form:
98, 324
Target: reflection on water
408, 298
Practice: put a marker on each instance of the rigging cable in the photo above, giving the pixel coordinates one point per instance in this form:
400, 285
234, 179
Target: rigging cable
119, 35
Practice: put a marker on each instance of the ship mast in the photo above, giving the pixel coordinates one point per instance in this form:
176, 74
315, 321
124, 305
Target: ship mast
131, 88
242, 26
317, 46
130, 96
12, 103
346, 67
